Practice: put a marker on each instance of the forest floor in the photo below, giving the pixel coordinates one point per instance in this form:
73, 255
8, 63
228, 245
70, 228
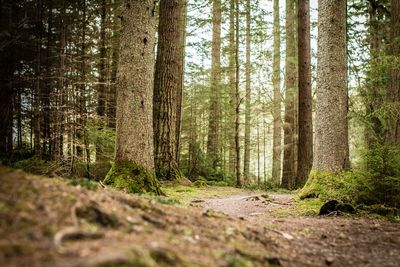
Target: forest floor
48, 222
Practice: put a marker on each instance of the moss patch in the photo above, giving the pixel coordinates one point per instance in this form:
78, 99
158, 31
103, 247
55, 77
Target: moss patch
133, 178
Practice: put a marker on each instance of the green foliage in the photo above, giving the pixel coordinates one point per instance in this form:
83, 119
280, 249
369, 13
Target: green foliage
353, 187
133, 178
32, 165
166, 200
102, 136
83, 182
201, 181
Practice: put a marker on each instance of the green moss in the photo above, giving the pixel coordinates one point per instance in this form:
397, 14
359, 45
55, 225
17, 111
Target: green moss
347, 187
168, 173
133, 178
86, 183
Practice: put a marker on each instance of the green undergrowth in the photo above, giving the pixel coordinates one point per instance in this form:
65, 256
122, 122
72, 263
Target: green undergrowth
85, 183
132, 178
368, 193
306, 207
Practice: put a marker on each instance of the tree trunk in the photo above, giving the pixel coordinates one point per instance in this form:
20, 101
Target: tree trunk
237, 101
111, 98
246, 167
101, 90
277, 112
135, 156
168, 78
182, 41
214, 118
331, 142
232, 88
393, 91
305, 145
288, 171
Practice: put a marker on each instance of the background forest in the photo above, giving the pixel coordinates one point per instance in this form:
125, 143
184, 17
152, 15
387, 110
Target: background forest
261, 94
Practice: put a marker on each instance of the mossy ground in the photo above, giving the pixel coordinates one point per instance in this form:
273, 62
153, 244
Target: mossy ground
132, 178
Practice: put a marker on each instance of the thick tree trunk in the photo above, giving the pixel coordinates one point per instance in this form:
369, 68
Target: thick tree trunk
288, 169
277, 112
331, 142
305, 145
393, 91
168, 78
214, 111
246, 163
135, 156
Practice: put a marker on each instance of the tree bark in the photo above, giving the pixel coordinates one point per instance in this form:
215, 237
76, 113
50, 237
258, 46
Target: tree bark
393, 91
213, 144
277, 112
237, 101
246, 163
135, 99
182, 46
331, 134
288, 169
168, 78
232, 88
101, 90
305, 145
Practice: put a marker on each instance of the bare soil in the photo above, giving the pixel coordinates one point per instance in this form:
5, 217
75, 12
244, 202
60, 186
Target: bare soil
45, 222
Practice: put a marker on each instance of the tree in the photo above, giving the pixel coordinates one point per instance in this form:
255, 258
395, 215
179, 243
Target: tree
237, 100
393, 90
168, 79
134, 159
288, 169
331, 140
232, 88
277, 112
305, 143
246, 164
214, 113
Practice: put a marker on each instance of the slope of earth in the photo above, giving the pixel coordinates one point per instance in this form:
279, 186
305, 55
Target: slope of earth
46, 222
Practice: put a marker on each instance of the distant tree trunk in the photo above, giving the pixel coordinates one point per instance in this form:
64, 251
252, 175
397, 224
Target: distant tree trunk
237, 101
332, 147
62, 77
214, 118
232, 88
101, 90
305, 145
6, 91
111, 98
135, 156
393, 91
182, 38
288, 171
277, 112
168, 78
246, 167
37, 115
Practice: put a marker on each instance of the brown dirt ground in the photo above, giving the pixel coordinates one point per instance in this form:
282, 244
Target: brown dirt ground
45, 222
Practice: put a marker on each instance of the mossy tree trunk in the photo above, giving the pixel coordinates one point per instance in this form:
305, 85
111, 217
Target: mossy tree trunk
168, 77
305, 145
277, 112
213, 143
134, 159
331, 142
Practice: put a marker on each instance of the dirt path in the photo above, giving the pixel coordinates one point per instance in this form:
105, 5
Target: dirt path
336, 241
